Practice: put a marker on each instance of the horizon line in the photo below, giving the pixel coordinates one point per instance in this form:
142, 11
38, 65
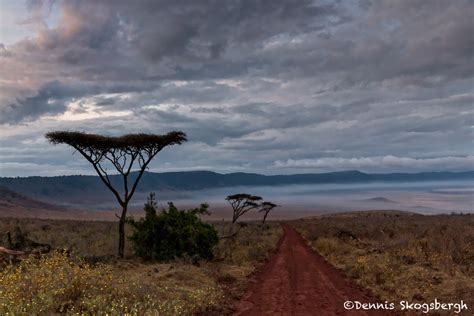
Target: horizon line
243, 172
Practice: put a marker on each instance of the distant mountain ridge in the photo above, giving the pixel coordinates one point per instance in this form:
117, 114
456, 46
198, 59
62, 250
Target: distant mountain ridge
90, 186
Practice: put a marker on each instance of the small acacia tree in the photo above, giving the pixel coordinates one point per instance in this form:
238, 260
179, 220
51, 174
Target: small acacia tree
242, 203
265, 208
128, 154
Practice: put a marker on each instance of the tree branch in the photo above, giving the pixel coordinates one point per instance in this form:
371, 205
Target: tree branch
98, 168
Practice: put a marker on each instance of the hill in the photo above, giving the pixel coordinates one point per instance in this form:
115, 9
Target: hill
9, 198
16, 205
75, 188
379, 199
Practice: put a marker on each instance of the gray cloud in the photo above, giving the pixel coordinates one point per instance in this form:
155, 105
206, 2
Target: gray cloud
50, 99
254, 84
380, 163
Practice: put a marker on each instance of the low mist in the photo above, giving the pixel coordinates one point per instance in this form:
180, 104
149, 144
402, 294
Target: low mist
421, 197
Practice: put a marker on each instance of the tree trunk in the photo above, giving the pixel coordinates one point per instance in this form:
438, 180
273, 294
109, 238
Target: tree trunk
234, 218
121, 246
264, 218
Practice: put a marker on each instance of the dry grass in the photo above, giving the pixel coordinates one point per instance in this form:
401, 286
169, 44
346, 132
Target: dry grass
92, 281
400, 256
58, 283
85, 238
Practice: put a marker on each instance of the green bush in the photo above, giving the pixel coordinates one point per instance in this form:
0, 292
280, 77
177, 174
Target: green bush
173, 233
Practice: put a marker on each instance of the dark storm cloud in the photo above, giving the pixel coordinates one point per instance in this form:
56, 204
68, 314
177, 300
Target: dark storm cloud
287, 81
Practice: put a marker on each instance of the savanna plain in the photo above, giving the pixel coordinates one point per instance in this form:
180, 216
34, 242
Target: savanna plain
396, 255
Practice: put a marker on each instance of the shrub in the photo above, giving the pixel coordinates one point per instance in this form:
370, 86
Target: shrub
173, 233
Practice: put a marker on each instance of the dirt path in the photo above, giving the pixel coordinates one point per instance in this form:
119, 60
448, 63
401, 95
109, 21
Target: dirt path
298, 281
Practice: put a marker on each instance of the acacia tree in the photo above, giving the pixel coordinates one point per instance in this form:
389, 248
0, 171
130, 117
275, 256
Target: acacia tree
242, 203
127, 154
265, 208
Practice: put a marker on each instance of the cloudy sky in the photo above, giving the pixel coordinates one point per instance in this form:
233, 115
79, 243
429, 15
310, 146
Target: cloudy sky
275, 86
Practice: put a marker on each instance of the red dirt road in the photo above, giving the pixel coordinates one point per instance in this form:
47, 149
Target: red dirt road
298, 281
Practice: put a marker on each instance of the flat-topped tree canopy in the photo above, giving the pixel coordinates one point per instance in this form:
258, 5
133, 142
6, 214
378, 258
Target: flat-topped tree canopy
100, 142
241, 203
244, 196
267, 205
122, 151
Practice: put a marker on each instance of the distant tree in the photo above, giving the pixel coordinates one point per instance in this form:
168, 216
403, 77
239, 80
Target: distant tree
128, 154
242, 203
173, 233
265, 208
